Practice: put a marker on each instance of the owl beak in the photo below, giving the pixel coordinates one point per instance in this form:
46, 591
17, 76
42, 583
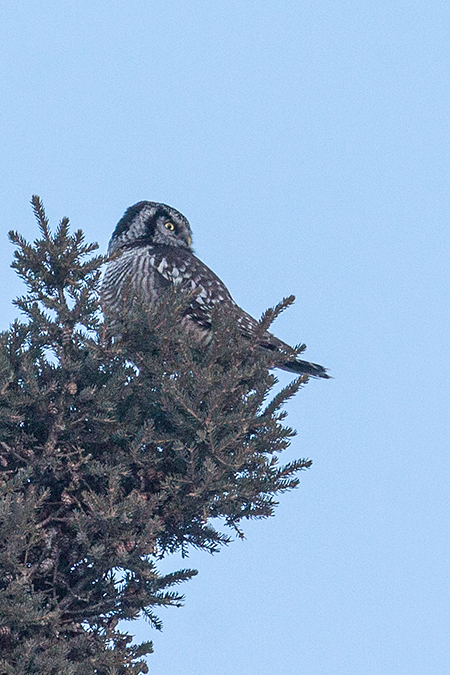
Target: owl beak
189, 239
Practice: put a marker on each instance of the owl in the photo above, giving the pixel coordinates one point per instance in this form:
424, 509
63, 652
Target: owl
150, 251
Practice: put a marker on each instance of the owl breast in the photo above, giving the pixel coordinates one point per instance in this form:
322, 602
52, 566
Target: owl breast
129, 279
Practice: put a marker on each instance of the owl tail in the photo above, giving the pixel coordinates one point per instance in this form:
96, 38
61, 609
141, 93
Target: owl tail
305, 368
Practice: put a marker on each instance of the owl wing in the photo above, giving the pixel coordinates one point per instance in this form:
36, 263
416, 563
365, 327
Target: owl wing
183, 269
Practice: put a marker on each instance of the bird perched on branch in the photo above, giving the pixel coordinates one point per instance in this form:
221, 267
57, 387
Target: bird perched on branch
150, 251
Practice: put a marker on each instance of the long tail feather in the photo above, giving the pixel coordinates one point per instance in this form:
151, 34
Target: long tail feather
305, 368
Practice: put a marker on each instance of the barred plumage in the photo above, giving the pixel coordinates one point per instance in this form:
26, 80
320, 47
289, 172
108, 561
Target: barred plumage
151, 251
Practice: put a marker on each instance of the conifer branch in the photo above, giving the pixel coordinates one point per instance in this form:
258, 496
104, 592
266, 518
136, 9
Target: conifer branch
39, 212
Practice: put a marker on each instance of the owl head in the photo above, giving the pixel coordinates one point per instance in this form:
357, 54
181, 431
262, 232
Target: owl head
150, 223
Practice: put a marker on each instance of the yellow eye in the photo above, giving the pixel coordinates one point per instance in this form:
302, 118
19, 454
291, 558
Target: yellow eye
169, 225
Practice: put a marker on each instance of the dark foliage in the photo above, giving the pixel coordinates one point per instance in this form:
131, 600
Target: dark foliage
115, 452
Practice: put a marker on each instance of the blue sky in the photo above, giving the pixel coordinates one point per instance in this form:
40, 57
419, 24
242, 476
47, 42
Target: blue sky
308, 144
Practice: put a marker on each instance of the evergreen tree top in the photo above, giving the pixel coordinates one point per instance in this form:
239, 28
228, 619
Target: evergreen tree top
114, 453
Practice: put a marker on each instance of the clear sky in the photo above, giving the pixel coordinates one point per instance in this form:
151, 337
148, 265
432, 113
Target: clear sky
308, 144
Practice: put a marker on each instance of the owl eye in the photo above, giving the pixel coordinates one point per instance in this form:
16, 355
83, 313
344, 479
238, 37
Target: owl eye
169, 226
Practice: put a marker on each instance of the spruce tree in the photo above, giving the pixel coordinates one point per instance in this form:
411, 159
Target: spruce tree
115, 451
